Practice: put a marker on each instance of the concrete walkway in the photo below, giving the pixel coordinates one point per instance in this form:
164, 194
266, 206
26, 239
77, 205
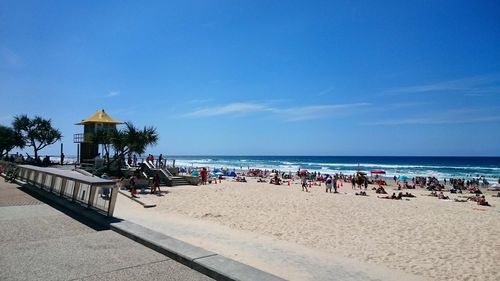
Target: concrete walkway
285, 260
40, 242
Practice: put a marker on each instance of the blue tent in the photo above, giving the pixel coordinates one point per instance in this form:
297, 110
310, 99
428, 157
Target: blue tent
195, 174
231, 174
182, 170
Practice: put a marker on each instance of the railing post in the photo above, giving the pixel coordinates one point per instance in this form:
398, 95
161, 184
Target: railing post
112, 201
91, 195
63, 187
76, 188
52, 182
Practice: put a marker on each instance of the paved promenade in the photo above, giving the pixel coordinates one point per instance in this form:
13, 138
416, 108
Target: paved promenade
40, 242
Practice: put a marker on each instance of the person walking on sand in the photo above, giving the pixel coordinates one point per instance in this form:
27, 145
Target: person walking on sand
203, 175
328, 184
304, 182
156, 184
133, 188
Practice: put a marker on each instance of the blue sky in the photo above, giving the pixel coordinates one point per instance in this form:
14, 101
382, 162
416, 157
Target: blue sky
262, 77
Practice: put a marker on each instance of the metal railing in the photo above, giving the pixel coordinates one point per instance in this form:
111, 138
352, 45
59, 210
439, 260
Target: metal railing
90, 192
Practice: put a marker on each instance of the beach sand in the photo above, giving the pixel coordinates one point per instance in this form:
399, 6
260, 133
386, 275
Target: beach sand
426, 237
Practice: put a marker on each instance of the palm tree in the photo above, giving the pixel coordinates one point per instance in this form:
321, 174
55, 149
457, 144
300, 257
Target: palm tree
139, 140
129, 140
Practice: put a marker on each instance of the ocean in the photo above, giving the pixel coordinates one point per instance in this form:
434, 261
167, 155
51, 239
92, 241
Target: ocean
439, 167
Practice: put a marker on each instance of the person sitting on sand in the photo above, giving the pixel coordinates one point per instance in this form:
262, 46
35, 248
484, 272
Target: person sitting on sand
361, 193
393, 197
261, 180
408, 195
442, 196
380, 190
482, 201
433, 194
474, 198
400, 196
275, 180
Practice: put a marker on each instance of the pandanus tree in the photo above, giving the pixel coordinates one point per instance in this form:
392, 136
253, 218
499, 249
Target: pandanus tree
37, 132
9, 139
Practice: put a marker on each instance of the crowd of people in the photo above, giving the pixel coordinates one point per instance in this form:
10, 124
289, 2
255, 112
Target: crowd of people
333, 182
18, 158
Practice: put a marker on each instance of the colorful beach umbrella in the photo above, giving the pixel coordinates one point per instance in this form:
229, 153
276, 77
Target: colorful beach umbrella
377, 172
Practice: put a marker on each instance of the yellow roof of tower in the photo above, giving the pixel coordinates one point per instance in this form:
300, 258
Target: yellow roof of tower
100, 117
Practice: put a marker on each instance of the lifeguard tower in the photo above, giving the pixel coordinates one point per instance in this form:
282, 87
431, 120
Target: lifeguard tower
87, 150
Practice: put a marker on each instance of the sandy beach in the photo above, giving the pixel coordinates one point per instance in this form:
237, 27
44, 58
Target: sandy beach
423, 236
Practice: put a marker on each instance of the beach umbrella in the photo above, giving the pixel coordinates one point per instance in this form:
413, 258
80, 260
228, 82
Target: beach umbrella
377, 172
219, 173
303, 171
403, 178
195, 174
361, 173
182, 170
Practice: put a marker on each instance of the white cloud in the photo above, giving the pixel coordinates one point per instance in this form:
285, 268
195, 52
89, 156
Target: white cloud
471, 85
113, 94
314, 111
288, 114
232, 108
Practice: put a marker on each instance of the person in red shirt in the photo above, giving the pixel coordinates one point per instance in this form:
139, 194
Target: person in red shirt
203, 174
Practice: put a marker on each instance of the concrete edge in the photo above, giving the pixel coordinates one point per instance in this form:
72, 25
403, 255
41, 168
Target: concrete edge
206, 262
201, 260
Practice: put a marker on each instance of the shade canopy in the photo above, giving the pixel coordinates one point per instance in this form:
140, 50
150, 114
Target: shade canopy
100, 117
377, 171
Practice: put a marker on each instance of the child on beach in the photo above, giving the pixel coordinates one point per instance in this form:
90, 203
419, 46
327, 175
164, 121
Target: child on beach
304, 182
